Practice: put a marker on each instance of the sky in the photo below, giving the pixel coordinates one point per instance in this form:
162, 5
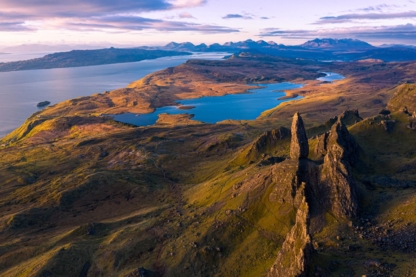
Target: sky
157, 22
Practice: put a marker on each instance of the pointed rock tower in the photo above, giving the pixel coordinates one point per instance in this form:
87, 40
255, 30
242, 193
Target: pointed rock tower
299, 148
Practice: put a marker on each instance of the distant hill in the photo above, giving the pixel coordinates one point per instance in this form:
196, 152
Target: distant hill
337, 44
88, 57
326, 49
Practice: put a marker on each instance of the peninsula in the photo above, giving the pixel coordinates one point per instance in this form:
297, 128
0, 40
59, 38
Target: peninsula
77, 58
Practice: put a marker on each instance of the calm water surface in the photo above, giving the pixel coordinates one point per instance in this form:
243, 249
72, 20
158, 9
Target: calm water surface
12, 57
331, 77
213, 109
20, 91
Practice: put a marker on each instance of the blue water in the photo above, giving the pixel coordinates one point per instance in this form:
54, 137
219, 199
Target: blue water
213, 109
331, 77
20, 91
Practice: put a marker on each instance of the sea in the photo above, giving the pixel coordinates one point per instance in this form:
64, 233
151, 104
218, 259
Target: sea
21, 91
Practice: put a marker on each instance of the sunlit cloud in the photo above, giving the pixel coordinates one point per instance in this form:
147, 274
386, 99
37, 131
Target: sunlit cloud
187, 3
366, 16
186, 15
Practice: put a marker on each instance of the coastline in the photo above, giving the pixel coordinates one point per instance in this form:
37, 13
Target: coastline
83, 58
63, 84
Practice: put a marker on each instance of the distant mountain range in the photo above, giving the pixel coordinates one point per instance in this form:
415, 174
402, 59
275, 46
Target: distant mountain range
318, 49
322, 44
326, 49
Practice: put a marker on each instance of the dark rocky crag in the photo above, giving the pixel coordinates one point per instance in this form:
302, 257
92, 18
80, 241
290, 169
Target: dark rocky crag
292, 260
299, 147
314, 190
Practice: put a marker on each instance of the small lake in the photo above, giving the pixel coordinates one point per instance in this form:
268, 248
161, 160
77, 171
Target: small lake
20, 91
213, 109
331, 77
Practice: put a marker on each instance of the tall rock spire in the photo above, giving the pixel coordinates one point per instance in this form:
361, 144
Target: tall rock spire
299, 148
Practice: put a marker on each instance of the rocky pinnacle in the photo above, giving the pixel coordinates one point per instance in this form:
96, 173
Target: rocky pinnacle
299, 148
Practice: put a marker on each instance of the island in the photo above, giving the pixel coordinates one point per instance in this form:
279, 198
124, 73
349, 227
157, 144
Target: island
43, 104
78, 58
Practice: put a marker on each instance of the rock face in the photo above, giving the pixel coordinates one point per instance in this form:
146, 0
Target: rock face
265, 144
331, 185
299, 148
314, 190
271, 138
336, 181
293, 258
321, 145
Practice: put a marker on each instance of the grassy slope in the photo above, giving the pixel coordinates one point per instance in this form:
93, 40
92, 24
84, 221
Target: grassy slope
166, 197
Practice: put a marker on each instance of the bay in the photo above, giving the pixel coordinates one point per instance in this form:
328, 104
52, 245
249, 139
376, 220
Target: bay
20, 91
213, 109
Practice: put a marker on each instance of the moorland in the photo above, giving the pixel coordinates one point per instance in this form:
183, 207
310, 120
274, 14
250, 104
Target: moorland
321, 186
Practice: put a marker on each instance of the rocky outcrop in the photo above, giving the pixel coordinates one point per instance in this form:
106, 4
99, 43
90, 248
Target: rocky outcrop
331, 186
314, 190
404, 99
293, 258
388, 125
299, 148
263, 146
321, 145
271, 138
337, 184
350, 117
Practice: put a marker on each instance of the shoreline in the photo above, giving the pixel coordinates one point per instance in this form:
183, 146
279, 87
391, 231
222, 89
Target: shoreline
288, 96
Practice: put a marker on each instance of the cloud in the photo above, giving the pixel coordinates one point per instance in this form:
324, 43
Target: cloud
366, 16
236, 16
99, 15
405, 32
81, 8
188, 3
186, 15
13, 27
136, 23
379, 8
